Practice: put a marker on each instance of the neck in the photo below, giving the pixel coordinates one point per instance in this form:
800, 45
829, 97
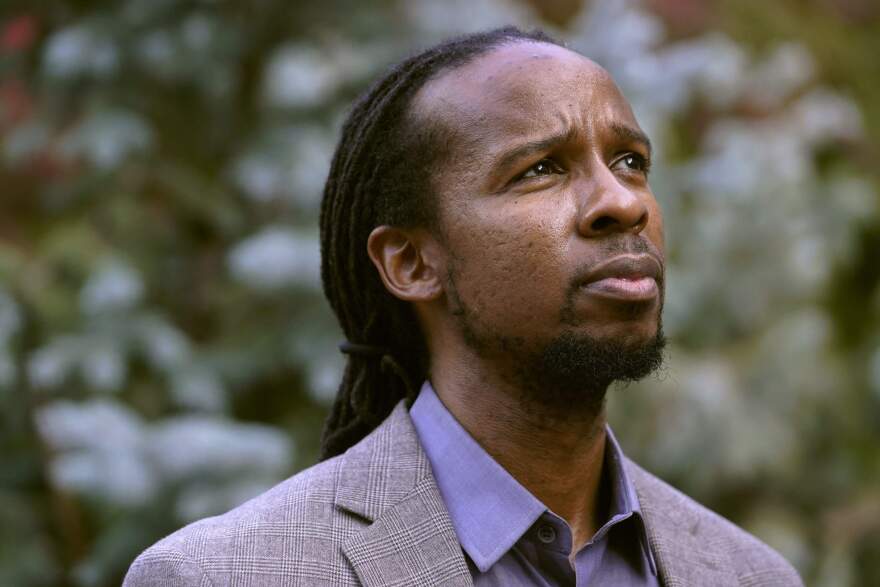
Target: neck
557, 457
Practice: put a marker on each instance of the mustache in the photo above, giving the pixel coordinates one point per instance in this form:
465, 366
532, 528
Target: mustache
623, 244
615, 246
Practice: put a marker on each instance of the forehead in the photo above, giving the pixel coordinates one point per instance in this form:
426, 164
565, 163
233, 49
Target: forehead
522, 89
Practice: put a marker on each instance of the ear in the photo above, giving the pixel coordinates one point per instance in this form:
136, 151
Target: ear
407, 261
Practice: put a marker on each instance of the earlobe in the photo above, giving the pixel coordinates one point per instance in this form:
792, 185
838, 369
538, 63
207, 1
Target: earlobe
406, 265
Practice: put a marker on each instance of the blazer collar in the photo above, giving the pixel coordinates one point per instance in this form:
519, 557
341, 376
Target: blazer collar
386, 479
383, 468
672, 522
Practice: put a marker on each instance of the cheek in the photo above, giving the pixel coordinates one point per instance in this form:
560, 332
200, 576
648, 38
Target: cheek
509, 268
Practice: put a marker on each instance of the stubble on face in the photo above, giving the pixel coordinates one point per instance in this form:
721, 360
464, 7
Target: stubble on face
566, 377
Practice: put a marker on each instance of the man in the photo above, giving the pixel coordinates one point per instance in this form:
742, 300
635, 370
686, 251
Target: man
494, 254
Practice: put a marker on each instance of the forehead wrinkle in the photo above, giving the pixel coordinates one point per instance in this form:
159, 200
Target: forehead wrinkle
484, 129
488, 107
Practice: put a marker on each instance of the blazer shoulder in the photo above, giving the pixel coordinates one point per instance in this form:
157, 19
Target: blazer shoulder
295, 523
754, 562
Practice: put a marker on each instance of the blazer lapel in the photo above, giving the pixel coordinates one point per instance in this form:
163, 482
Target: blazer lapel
387, 479
683, 554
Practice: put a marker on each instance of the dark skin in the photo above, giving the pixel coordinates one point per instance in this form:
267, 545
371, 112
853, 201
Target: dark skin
547, 168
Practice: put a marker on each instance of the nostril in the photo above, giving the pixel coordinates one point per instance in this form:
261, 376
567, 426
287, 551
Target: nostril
641, 222
602, 223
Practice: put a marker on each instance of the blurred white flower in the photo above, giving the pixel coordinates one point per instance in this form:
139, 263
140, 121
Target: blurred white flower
96, 424
105, 138
198, 32
728, 165
316, 351
750, 159
854, 198
103, 449
98, 450
324, 377
104, 367
188, 446
682, 292
801, 337
164, 346
113, 286
708, 396
310, 163
615, 33
81, 49
50, 365
198, 389
808, 262
298, 76
772, 80
276, 258
117, 477
723, 65
290, 164
10, 317
159, 53
259, 177
822, 116
438, 20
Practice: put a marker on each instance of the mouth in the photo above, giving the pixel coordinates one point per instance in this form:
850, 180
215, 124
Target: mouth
631, 278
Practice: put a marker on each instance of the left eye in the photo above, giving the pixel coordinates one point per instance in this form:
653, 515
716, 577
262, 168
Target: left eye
635, 162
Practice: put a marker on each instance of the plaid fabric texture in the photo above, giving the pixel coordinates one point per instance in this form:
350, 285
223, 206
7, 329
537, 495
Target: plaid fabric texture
375, 517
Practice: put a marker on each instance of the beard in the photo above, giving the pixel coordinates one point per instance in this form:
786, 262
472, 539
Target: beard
565, 377
572, 372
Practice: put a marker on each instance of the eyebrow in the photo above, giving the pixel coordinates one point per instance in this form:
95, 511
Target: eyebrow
527, 149
629, 133
621, 131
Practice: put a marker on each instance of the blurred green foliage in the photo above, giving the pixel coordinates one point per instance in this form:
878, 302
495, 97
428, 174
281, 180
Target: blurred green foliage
165, 350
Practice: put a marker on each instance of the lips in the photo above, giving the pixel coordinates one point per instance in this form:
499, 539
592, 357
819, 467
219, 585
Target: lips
627, 277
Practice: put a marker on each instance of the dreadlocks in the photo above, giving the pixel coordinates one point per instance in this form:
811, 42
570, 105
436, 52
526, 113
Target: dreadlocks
380, 174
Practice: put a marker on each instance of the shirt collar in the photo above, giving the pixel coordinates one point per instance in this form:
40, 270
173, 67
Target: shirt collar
626, 501
489, 523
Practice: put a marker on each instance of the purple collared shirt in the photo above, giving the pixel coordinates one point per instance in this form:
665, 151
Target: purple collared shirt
508, 535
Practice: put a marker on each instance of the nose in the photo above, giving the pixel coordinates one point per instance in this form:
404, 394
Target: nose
610, 207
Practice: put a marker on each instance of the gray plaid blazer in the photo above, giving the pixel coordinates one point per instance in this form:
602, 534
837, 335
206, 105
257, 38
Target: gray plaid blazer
374, 516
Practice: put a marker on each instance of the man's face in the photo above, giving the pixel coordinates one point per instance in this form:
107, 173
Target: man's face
550, 228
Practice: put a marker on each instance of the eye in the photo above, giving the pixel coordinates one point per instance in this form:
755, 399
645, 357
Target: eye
634, 162
543, 167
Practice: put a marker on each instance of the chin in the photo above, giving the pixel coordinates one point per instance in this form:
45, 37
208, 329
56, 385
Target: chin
576, 368
627, 335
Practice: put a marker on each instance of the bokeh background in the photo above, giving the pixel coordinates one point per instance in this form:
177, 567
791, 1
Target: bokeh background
165, 349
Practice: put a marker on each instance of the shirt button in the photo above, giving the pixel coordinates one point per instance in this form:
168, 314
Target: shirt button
546, 534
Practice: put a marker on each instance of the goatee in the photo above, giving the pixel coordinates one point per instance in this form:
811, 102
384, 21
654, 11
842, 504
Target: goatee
568, 376
571, 374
